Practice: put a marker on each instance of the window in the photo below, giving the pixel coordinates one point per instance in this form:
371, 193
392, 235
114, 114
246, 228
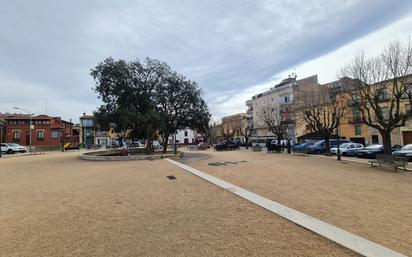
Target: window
54, 133
356, 115
16, 135
358, 130
408, 107
40, 134
385, 113
383, 95
185, 133
375, 139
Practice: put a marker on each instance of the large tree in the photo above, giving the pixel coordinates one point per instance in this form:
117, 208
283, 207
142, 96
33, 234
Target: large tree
180, 106
146, 98
379, 85
322, 110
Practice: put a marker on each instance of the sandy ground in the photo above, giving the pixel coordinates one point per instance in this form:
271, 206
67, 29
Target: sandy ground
59, 205
371, 202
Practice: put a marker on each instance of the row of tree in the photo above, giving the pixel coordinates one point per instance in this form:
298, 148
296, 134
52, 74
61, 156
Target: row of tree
147, 99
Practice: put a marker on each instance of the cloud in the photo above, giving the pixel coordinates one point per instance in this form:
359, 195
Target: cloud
226, 46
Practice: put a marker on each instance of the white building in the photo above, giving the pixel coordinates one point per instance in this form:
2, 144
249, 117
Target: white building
186, 137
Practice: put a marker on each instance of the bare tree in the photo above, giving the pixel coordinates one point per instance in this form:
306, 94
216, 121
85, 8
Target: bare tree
214, 130
322, 110
276, 119
379, 87
246, 132
227, 130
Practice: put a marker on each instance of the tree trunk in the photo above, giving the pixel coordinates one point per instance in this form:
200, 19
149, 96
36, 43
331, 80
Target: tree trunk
327, 143
387, 143
165, 141
149, 146
247, 142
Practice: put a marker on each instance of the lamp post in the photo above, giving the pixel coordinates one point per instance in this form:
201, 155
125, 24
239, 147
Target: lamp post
1, 135
30, 125
338, 150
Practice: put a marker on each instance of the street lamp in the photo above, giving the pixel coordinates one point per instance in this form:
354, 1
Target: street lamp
30, 125
338, 150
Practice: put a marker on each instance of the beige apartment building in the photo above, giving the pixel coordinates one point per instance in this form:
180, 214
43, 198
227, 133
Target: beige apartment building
234, 127
279, 98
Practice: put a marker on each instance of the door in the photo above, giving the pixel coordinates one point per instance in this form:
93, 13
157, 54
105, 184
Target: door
28, 137
186, 141
375, 139
407, 137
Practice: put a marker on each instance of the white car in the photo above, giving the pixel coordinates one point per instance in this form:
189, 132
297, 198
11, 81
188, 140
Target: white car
347, 149
12, 148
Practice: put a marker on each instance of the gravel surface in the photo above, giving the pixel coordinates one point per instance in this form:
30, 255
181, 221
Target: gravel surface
374, 203
59, 205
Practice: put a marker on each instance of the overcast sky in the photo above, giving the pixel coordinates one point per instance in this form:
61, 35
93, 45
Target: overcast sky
233, 49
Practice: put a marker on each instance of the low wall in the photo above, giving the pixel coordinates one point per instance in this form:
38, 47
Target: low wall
99, 156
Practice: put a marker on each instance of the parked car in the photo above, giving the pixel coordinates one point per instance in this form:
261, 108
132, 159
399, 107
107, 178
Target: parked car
372, 150
320, 146
396, 147
404, 151
156, 144
347, 149
300, 148
12, 148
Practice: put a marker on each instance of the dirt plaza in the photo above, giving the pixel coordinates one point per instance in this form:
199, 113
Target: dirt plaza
59, 205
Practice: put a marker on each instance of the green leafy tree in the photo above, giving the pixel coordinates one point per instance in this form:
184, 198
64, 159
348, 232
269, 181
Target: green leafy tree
147, 99
180, 106
128, 93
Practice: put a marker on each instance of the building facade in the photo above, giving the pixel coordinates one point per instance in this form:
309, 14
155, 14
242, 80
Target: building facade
351, 125
186, 137
90, 134
234, 127
277, 99
45, 131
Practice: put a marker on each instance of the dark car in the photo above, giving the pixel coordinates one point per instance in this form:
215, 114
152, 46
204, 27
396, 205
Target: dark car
300, 148
320, 146
404, 151
370, 151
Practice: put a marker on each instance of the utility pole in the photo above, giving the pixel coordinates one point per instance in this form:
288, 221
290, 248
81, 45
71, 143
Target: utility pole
338, 150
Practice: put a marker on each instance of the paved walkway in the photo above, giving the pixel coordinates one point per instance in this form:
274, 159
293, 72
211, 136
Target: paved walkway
356, 243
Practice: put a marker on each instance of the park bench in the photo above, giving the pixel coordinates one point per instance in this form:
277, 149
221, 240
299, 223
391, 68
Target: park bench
390, 161
256, 148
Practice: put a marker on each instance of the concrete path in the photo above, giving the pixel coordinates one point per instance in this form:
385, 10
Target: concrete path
356, 243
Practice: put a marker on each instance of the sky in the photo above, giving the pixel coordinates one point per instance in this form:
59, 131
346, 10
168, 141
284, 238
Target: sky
233, 49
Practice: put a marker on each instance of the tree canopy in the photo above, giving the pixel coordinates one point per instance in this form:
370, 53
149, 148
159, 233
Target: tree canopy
147, 99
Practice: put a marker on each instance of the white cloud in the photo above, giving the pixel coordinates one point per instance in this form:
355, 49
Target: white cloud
326, 66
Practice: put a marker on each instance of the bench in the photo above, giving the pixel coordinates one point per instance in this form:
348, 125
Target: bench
256, 148
390, 161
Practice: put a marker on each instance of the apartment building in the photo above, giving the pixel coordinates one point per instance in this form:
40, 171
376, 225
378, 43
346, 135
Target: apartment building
279, 99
